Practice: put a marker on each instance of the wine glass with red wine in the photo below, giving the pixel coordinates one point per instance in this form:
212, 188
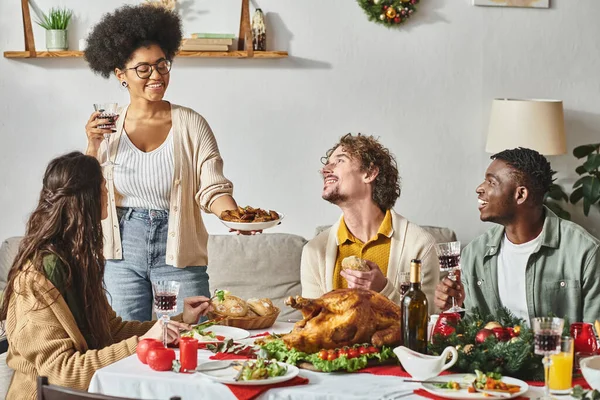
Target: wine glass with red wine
449, 257
107, 111
404, 279
165, 302
547, 332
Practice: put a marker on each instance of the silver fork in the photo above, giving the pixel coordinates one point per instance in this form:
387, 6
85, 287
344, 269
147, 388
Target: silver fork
397, 395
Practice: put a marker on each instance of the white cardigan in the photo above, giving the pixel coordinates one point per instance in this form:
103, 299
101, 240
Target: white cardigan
198, 180
409, 241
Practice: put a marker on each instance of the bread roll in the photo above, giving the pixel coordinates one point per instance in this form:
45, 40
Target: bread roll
355, 263
231, 306
261, 307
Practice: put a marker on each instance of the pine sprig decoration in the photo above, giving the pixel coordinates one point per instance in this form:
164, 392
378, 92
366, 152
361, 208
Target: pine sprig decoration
514, 358
389, 12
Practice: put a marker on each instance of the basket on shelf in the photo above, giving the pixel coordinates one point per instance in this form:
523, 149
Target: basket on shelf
249, 322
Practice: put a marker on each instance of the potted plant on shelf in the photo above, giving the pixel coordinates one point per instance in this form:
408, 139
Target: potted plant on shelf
588, 186
56, 23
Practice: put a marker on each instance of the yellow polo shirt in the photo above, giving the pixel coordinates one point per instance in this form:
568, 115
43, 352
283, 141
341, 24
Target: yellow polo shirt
377, 249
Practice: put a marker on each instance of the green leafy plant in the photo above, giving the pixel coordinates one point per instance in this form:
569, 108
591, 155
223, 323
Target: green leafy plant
56, 19
588, 186
552, 200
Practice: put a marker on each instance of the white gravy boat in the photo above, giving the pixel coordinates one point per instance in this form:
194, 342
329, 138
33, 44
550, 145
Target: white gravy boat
421, 366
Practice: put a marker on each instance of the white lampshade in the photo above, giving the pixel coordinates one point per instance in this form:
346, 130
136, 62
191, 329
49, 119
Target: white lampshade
535, 124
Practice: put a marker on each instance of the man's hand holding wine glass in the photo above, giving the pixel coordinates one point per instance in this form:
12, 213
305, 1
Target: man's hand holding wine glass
447, 290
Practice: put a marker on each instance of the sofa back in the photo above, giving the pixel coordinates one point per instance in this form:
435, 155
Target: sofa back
266, 265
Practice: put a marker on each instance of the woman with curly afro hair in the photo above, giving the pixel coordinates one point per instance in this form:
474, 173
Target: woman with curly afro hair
167, 167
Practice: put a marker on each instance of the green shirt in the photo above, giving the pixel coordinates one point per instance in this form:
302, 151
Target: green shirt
55, 272
562, 275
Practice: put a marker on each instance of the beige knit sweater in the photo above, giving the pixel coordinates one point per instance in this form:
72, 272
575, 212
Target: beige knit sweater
198, 181
45, 341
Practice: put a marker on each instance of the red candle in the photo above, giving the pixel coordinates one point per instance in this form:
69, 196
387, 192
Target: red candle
188, 353
584, 337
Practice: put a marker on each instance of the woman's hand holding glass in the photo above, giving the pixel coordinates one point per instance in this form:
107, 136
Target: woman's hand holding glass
172, 331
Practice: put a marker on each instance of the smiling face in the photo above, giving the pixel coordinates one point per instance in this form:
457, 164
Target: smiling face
500, 195
343, 180
152, 88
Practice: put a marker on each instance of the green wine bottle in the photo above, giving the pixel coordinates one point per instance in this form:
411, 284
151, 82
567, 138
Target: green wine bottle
415, 315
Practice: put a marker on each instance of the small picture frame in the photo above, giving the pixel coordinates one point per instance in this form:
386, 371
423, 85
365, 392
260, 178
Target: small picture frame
513, 3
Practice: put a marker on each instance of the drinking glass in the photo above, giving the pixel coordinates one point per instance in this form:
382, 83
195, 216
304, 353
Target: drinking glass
404, 279
560, 379
547, 333
107, 111
585, 339
449, 257
165, 302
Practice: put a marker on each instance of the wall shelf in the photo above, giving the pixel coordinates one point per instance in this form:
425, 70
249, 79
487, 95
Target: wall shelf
194, 54
244, 50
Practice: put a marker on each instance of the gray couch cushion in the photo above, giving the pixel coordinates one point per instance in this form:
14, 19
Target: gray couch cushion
265, 265
8, 251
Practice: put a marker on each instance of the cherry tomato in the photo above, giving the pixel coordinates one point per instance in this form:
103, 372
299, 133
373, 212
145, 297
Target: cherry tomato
144, 345
363, 350
343, 352
353, 353
160, 359
332, 355
323, 354
372, 349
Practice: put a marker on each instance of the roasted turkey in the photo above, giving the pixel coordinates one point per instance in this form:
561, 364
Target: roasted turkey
344, 317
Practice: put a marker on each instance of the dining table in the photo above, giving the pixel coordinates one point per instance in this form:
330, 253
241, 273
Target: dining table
131, 378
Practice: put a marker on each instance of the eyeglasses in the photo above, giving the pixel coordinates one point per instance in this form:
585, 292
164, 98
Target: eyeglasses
144, 71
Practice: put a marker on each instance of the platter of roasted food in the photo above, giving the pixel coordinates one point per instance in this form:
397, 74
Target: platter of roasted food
475, 386
249, 372
236, 312
250, 219
343, 330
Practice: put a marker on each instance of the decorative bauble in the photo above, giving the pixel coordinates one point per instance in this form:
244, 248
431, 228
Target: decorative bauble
397, 20
517, 330
515, 339
376, 1
492, 325
382, 17
501, 334
468, 349
391, 13
385, 7
483, 334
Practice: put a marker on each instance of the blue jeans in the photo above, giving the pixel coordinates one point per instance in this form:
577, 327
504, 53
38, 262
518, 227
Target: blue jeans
144, 243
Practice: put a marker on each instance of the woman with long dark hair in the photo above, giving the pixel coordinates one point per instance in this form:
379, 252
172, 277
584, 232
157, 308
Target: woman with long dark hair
59, 323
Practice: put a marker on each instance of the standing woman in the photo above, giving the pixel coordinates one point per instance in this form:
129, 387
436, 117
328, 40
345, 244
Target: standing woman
168, 167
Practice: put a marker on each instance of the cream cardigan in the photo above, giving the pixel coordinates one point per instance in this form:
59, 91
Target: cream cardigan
409, 241
197, 182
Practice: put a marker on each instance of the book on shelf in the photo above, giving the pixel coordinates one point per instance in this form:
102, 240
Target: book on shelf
204, 47
213, 36
227, 42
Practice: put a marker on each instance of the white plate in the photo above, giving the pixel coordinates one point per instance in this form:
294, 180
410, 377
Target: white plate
229, 332
226, 375
252, 226
467, 379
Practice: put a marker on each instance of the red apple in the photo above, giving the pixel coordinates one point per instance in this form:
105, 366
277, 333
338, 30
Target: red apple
144, 345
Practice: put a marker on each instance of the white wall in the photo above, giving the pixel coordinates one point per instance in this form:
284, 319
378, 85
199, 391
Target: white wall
425, 89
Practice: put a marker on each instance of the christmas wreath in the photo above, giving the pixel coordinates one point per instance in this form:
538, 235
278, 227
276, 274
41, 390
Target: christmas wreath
389, 12
502, 344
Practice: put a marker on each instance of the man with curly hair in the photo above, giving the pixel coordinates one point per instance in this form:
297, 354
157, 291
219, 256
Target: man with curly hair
533, 262
167, 164
360, 176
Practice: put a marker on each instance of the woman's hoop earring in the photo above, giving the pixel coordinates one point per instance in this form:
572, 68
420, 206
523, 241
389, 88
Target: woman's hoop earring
124, 84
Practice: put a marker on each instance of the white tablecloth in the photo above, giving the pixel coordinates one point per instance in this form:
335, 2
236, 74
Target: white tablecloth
130, 378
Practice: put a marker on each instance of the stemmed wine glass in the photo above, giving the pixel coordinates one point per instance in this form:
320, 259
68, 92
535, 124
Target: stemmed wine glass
547, 333
404, 279
107, 111
449, 257
165, 302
